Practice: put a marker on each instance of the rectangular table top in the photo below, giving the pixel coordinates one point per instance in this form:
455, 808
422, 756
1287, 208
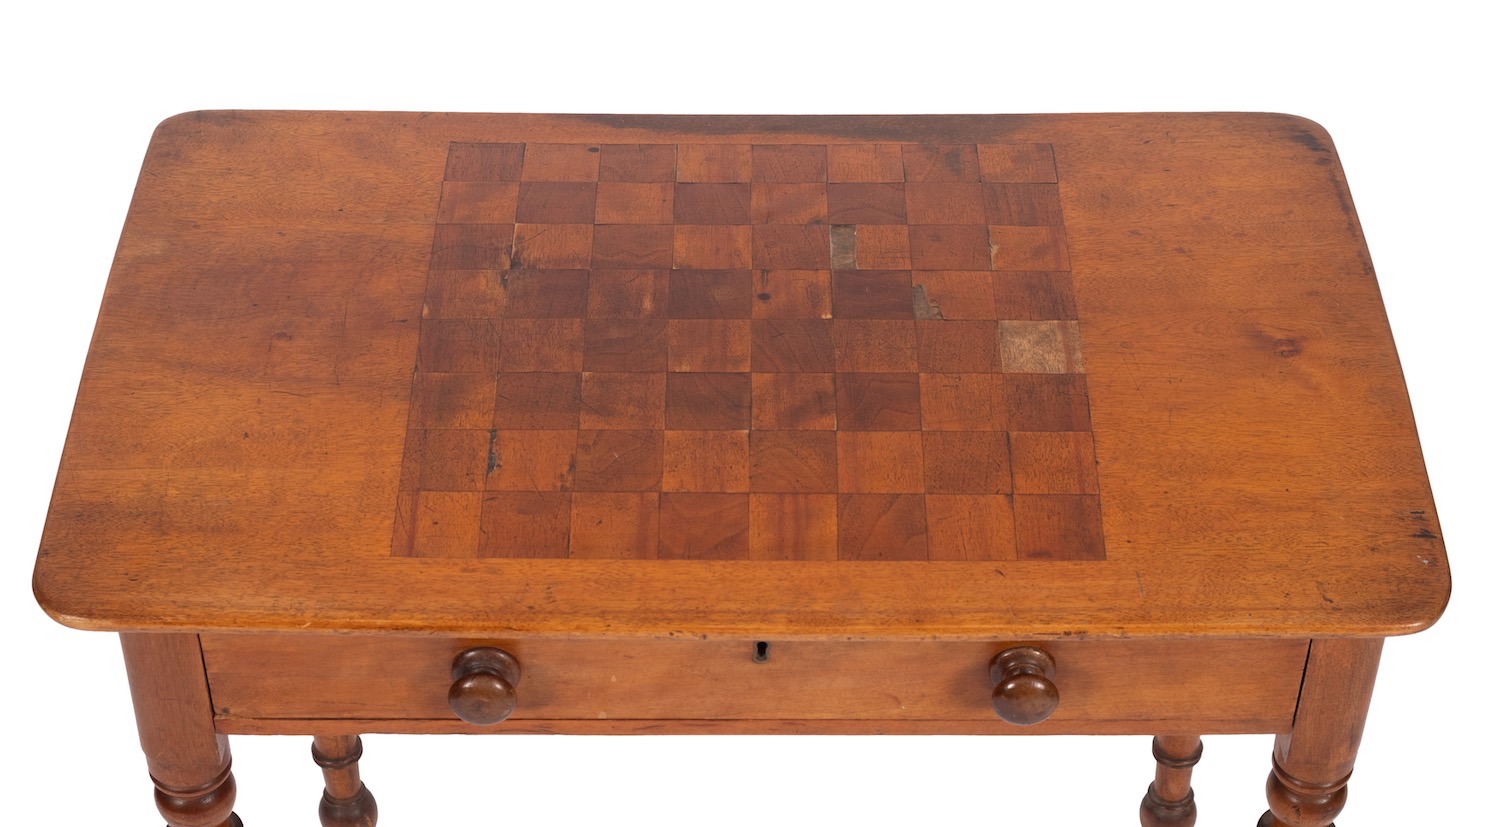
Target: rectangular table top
959, 376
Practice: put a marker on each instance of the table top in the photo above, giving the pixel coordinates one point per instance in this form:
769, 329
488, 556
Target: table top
956, 376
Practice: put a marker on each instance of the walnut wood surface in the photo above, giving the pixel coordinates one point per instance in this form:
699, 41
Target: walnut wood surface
1169, 799
239, 435
749, 351
346, 801
574, 685
188, 760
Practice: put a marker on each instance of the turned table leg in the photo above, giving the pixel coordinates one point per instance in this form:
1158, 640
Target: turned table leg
1169, 800
346, 800
188, 760
1310, 766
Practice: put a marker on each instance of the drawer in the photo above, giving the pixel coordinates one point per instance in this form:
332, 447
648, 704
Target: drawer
332, 684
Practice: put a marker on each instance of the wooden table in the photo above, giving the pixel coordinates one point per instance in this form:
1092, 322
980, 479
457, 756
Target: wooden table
618, 424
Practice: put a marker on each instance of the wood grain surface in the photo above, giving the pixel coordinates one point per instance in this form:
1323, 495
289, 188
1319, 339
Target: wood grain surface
236, 452
798, 396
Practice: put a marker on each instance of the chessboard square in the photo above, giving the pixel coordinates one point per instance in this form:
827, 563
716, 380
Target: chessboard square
634, 203
880, 462
841, 246
791, 346
865, 162
945, 163
794, 527
789, 163
484, 162
623, 401
789, 246
625, 345
708, 345
1022, 204
874, 345
1058, 527
471, 246
446, 524
966, 462
949, 247
872, 294
525, 524
714, 461
792, 402
1035, 296
711, 246
1017, 163
637, 162
713, 162
448, 460
609, 460
1040, 347
793, 461
1028, 248
866, 204
1053, 462
878, 401
531, 460
541, 344
528, 401
710, 294
561, 162
708, 401
882, 247
552, 202
970, 527
462, 294
1047, 402
953, 346
788, 204
961, 402
543, 294
633, 246
955, 294
553, 246
452, 400
478, 202
457, 346
793, 294
882, 527
945, 203
627, 294
614, 526
711, 204
703, 526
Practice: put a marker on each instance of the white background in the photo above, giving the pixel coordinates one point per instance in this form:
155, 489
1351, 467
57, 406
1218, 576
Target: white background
1403, 92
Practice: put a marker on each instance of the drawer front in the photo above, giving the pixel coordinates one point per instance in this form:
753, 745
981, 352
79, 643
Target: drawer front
267, 683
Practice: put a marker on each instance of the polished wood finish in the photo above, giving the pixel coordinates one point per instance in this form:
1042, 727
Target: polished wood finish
346, 802
268, 681
1024, 693
628, 395
188, 760
484, 685
1169, 799
1311, 764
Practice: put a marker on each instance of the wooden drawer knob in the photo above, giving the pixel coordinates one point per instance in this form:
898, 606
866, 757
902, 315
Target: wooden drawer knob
1024, 691
484, 685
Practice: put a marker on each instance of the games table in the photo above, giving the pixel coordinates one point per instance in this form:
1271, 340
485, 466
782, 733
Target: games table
433, 423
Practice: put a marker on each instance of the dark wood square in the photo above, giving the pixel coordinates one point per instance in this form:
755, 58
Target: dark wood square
878, 401
484, 162
702, 526
537, 400
551, 202
708, 401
